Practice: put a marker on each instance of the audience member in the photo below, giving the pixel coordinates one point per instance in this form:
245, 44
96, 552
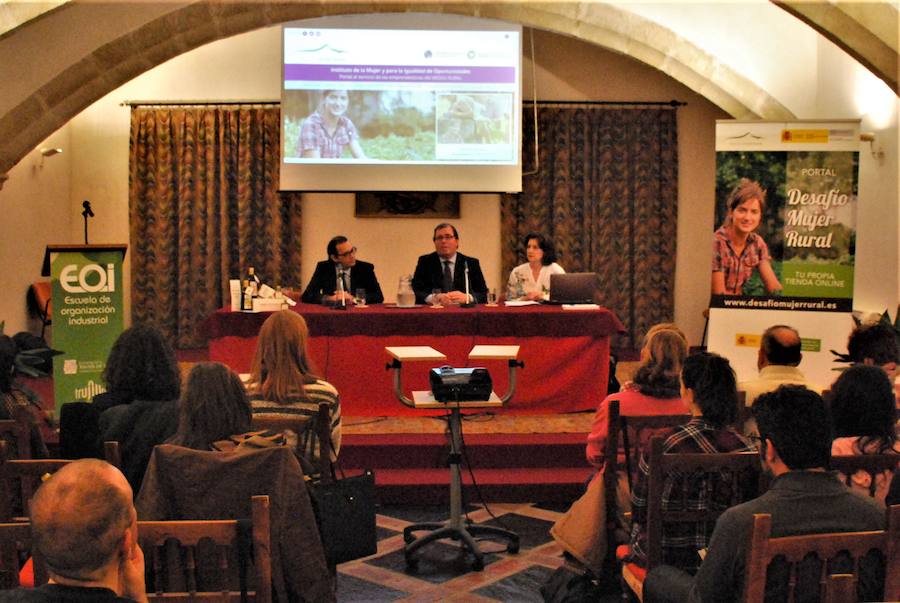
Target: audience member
141, 366
709, 390
324, 288
446, 270
214, 412
778, 360
655, 390
803, 498
875, 344
15, 403
137, 422
864, 413
84, 526
282, 382
531, 280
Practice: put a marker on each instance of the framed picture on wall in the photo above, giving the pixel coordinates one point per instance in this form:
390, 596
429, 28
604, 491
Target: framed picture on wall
407, 204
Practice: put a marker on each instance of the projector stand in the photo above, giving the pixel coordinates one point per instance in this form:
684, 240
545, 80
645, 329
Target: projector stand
454, 528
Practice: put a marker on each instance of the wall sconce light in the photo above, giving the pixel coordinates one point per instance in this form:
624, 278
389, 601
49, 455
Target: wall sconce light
48, 152
870, 138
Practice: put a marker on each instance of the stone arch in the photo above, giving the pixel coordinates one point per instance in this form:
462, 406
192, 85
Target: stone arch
110, 58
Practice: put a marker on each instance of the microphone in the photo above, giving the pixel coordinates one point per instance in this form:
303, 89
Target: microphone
87, 209
468, 304
340, 290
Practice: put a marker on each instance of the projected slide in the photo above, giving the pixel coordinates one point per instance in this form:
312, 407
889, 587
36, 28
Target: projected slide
400, 96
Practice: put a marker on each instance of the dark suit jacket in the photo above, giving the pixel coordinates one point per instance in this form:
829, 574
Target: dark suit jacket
430, 275
324, 282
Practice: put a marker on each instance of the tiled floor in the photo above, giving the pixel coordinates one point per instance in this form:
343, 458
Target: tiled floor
444, 571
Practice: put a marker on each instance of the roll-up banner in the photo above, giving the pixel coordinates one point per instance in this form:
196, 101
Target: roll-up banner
783, 246
87, 316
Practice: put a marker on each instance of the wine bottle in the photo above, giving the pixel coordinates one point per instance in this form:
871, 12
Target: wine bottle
254, 281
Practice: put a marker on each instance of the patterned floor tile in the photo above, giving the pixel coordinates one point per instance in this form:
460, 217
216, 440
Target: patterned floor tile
522, 587
353, 590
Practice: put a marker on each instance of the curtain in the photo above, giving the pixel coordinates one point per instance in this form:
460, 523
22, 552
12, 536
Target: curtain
606, 193
204, 205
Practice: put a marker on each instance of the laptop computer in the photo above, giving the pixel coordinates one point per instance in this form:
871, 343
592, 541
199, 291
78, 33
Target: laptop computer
573, 288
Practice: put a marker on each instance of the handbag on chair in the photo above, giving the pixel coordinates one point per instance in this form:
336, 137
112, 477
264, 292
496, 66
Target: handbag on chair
345, 514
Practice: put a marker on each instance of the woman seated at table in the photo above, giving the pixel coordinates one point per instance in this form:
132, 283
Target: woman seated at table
710, 391
531, 281
864, 416
655, 390
214, 413
282, 383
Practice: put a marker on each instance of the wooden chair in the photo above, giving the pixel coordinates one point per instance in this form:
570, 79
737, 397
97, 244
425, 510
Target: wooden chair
312, 433
762, 549
15, 538
873, 464
20, 478
154, 535
634, 428
740, 468
18, 432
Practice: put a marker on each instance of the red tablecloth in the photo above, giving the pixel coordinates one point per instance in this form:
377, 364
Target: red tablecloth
566, 353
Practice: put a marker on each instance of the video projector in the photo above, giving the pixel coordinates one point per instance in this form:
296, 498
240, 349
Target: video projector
450, 384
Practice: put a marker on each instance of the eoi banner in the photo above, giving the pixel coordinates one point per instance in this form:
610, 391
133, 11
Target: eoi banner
785, 225
87, 317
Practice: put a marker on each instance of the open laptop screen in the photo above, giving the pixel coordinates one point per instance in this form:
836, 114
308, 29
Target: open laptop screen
573, 288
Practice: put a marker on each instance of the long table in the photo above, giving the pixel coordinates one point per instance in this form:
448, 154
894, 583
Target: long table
566, 352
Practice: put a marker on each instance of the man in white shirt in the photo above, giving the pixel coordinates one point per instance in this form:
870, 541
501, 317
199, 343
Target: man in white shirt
778, 361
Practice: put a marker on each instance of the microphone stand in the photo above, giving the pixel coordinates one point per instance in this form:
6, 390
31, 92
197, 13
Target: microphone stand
85, 213
343, 304
469, 303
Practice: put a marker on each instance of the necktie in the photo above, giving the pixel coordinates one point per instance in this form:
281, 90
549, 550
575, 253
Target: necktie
344, 281
448, 278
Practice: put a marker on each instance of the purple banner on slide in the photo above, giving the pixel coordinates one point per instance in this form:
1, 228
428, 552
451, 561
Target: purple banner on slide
400, 73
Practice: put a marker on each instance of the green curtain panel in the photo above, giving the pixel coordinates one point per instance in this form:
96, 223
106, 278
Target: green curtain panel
606, 192
204, 204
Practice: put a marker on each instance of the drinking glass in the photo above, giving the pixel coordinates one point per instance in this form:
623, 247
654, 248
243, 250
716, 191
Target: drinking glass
360, 298
435, 303
492, 297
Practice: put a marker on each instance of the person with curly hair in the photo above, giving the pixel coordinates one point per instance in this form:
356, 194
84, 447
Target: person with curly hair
531, 280
141, 366
864, 415
144, 385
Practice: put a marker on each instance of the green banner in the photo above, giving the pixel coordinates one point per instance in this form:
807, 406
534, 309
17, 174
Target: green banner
87, 319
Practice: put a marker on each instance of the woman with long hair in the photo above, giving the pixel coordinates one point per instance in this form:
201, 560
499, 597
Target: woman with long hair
655, 389
864, 418
213, 407
282, 381
709, 389
327, 130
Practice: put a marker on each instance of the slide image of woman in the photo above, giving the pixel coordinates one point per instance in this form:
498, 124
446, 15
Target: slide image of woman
328, 130
738, 250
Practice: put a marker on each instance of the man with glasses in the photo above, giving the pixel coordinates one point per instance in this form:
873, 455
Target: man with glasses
340, 276
446, 271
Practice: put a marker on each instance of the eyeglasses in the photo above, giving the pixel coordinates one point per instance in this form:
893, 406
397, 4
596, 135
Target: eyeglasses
755, 440
350, 251
445, 237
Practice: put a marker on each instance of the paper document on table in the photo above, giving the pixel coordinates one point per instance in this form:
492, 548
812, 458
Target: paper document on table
580, 307
515, 303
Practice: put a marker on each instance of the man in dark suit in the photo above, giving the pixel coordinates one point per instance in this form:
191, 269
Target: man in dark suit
342, 264
445, 269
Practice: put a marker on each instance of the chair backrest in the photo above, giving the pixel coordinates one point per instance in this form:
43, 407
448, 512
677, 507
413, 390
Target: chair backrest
762, 549
313, 434
41, 295
15, 539
739, 471
637, 430
154, 536
20, 479
19, 433
876, 465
